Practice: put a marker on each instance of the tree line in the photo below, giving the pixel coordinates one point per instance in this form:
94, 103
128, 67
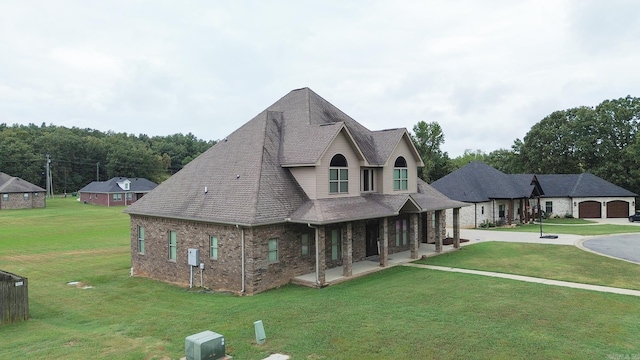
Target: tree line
80, 156
602, 140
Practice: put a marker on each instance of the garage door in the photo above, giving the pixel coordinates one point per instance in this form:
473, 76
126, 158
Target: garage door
590, 210
617, 209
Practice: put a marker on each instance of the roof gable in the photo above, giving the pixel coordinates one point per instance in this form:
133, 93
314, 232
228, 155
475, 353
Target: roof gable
387, 146
12, 184
343, 130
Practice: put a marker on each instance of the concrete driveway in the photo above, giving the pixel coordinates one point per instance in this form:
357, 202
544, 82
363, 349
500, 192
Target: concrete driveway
475, 236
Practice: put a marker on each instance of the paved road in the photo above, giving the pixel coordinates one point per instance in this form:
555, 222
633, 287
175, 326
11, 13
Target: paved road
625, 247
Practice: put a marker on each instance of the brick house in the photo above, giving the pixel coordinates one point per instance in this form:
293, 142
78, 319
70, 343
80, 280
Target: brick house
16, 193
117, 191
498, 197
299, 189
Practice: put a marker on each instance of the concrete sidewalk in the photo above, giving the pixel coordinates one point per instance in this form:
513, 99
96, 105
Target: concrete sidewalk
532, 279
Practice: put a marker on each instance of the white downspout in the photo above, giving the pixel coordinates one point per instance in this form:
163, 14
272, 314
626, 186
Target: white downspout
242, 250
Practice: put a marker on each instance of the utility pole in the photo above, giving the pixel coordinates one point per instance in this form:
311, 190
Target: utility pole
49, 181
98, 171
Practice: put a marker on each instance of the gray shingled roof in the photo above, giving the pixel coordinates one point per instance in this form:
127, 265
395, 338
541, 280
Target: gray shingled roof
247, 181
580, 185
139, 185
370, 206
12, 184
479, 182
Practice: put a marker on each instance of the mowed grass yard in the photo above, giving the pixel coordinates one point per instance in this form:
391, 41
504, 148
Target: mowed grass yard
398, 313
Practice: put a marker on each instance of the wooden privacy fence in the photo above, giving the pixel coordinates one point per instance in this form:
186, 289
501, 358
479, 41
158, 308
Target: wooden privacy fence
14, 298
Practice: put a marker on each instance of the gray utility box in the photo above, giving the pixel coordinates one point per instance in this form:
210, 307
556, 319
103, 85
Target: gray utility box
193, 257
204, 345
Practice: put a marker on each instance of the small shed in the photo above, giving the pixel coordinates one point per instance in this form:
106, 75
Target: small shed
14, 298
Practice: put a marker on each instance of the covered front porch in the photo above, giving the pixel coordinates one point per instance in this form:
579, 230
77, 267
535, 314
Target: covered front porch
385, 256
336, 275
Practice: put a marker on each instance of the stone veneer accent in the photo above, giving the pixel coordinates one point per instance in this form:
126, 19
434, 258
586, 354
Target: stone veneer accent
17, 201
225, 273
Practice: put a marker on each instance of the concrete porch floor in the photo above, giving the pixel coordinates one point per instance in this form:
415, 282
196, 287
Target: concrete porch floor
364, 267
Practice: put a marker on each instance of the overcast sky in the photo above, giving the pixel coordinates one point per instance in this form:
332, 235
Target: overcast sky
486, 71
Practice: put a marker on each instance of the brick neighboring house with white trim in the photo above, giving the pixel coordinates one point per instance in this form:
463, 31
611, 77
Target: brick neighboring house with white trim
498, 197
299, 189
117, 191
16, 193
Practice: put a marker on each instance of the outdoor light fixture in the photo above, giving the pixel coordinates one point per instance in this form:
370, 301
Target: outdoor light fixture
574, 203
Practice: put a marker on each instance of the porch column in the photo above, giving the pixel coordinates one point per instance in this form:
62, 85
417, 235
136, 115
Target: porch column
384, 246
347, 252
456, 228
321, 264
510, 216
438, 231
415, 242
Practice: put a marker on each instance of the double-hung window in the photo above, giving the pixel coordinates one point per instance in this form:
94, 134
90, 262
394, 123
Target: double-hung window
273, 250
140, 239
173, 244
400, 174
548, 207
338, 175
304, 244
213, 247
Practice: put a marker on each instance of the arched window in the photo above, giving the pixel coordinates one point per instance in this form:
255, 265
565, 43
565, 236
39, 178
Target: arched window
338, 175
400, 175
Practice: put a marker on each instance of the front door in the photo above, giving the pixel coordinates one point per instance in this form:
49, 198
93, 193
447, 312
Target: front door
372, 238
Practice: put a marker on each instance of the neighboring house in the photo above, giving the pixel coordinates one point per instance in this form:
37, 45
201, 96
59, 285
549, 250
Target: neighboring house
299, 189
117, 191
497, 197
16, 193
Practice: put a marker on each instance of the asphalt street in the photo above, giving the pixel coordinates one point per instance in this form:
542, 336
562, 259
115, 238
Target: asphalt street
625, 247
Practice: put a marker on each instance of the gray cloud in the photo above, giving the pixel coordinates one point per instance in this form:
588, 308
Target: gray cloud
485, 71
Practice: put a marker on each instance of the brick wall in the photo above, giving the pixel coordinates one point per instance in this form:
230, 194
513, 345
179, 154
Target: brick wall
104, 199
18, 201
225, 273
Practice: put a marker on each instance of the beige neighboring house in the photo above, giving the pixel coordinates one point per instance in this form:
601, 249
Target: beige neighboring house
299, 189
16, 193
496, 197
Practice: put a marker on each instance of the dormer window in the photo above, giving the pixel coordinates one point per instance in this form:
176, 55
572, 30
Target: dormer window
400, 175
338, 175
125, 185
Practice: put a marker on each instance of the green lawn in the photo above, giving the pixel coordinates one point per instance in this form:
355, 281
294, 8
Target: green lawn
399, 313
558, 262
568, 221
